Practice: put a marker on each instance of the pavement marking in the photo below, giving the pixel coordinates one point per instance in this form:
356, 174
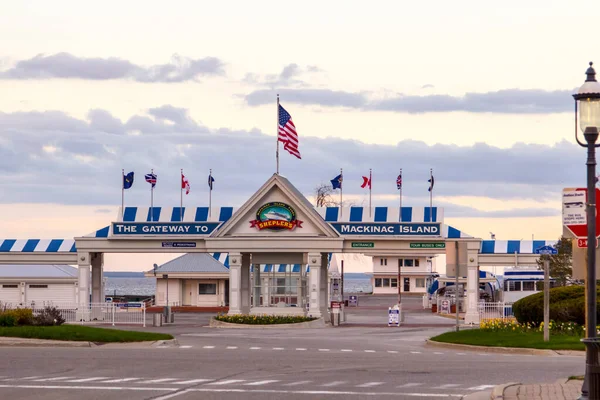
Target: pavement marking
346, 350
254, 348
334, 383
300, 349
98, 378
185, 347
482, 354
278, 348
369, 351
370, 384
297, 383
29, 377
481, 387
227, 382
461, 354
324, 350
121, 380
192, 381
392, 351
150, 389
171, 395
409, 385
58, 378
415, 352
231, 347
208, 347
161, 380
261, 382
447, 386
437, 352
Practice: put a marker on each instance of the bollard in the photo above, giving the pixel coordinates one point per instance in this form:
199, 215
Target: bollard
335, 316
157, 319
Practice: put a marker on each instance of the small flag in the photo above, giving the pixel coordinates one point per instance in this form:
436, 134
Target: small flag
210, 182
431, 181
399, 182
366, 182
185, 184
287, 133
151, 179
128, 180
337, 182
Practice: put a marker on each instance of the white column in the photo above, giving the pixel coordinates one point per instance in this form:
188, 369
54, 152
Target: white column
314, 287
257, 283
235, 279
83, 260
97, 274
472, 314
245, 283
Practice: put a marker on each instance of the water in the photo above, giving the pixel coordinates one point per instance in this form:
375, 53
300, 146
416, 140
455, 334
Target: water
147, 286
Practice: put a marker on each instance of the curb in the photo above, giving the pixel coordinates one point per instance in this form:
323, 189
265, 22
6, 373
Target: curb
165, 343
24, 342
498, 391
318, 323
511, 350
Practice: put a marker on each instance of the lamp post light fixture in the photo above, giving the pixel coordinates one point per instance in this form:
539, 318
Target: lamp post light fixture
587, 108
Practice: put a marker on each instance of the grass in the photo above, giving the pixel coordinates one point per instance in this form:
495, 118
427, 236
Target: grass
80, 334
529, 340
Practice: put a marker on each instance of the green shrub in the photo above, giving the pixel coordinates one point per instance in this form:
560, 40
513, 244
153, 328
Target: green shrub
48, 316
7, 319
24, 316
263, 319
567, 304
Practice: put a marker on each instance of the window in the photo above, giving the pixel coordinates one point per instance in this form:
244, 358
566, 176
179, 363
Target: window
400, 262
514, 286
207, 288
383, 261
377, 282
38, 286
386, 282
394, 282
416, 263
10, 286
408, 262
420, 282
529, 286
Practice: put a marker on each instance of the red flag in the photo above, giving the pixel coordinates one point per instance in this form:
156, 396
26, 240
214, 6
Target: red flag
366, 182
185, 184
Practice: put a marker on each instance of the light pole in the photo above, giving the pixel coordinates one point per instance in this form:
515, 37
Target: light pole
587, 101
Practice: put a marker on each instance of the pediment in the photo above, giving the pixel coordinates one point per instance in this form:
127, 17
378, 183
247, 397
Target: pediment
277, 209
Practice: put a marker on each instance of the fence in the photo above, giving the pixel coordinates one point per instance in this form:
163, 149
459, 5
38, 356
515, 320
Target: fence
499, 310
110, 313
449, 301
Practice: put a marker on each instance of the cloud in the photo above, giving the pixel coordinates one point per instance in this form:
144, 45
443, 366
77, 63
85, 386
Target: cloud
290, 76
68, 66
513, 101
50, 157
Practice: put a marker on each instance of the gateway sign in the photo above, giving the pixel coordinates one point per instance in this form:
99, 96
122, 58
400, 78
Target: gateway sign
387, 229
163, 229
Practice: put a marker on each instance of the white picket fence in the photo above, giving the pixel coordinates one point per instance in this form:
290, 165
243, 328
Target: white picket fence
497, 310
110, 313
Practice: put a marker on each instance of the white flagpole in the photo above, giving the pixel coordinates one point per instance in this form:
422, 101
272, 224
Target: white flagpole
401, 182
431, 196
370, 188
277, 136
181, 197
209, 192
152, 198
122, 193
341, 192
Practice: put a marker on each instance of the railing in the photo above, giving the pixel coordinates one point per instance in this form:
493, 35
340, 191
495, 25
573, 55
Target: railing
451, 301
111, 313
498, 310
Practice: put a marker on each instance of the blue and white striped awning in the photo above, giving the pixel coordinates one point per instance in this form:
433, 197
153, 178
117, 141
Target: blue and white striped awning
381, 214
513, 246
174, 214
223, 258
37, 246
279, 268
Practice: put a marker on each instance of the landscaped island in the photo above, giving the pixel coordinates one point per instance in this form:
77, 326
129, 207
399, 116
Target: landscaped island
80, 333
263, 319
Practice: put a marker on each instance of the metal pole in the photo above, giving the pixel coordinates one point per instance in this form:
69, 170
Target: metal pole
546, 299
431, 204
341, 192
400, 195
277, 136
122, 193
181, 198
152, 198
210, 192
342, 263
399, 282
456, 285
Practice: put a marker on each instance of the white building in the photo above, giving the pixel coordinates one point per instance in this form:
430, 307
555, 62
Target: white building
415, 274
24, 285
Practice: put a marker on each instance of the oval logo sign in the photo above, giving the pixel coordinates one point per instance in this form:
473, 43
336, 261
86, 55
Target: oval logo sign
276, 217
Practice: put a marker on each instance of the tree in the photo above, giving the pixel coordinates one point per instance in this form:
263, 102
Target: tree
324, 197
560, 264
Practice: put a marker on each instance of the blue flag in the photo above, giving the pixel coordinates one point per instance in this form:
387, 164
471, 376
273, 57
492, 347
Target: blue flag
128, 180
210, 182
337, 182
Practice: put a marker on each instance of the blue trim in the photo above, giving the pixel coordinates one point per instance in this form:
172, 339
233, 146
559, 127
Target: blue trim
177, 214
406, 213
356, 214
73, 249
282, 267
268, 267
216, 256
30, 245
201, 214
129, 214
513, 246
537, 244
54, 245
7, 244
518, 273
426, 215
153, 212
102, 233
487, 246
331, 214
435, 216
453, 233
226, 263
381, 214
226, 213
296, 268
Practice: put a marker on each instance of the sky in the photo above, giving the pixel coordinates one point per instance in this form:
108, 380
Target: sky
478, 92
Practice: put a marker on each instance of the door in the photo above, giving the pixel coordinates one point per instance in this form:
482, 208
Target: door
187, 293
407, 284
227, 292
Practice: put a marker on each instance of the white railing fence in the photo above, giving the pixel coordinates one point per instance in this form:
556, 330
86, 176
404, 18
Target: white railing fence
110, 313
498, 310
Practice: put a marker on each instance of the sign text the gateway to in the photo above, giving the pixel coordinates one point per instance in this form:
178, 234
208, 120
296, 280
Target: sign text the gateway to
388, 229
163, 228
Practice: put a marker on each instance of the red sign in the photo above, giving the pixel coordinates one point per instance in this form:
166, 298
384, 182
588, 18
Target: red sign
275, 223
580, 231
583, 243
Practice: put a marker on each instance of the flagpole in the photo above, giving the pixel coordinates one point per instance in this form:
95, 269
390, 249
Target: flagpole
152, 198
181, 198
341, 192
431, 196
370, 188
210, 190
277, 135
122, 193
400, 194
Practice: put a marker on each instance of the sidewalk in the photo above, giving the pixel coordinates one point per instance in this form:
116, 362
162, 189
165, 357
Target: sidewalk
559, 390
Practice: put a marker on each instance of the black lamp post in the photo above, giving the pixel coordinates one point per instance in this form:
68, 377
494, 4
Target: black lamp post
587, 101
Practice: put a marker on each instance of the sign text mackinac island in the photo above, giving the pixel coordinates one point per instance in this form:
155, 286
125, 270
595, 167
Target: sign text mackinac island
389, 229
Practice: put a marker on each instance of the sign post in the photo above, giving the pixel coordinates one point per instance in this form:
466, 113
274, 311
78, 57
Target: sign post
546, 250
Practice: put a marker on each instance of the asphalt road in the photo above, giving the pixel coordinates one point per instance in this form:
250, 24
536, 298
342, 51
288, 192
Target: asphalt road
351, 362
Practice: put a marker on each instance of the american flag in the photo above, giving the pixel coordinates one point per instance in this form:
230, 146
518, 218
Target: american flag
399, 182
287, 133
151, 179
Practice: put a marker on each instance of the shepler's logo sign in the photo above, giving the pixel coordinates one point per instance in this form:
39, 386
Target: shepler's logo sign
276, 217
